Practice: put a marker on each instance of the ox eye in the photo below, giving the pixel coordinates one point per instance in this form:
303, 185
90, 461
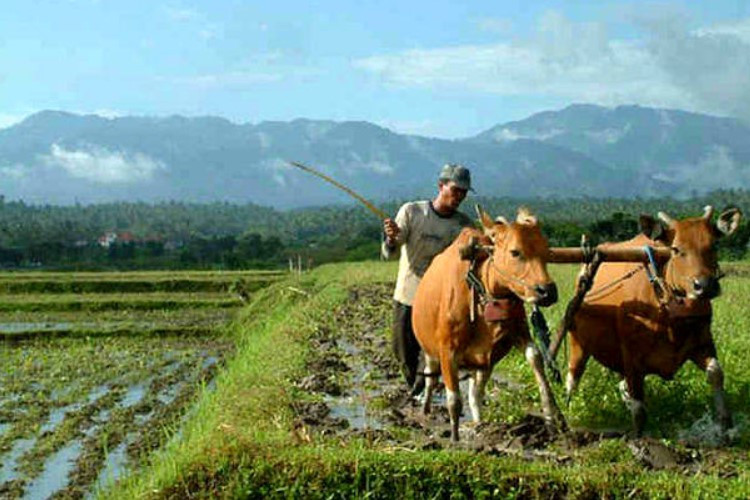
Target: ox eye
515, 253
675, 251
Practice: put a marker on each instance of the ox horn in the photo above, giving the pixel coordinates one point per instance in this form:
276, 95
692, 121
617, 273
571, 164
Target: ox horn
483, 217
666, 219
708, 211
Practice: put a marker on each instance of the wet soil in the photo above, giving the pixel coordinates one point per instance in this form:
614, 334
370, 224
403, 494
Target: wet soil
75, 403
354, 390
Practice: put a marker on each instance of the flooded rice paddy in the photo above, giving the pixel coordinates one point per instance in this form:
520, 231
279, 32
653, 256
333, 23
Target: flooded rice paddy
90, 383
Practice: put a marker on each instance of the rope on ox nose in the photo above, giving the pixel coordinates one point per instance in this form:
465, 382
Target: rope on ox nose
541, 331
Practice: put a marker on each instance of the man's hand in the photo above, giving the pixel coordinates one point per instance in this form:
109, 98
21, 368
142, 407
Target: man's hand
392, 231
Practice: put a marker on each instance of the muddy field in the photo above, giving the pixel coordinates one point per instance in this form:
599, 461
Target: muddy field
87, 393
354, 389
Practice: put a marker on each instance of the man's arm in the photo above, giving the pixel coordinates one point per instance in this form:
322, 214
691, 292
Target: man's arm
395, 233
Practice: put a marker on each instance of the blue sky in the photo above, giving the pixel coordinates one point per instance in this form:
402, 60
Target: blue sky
438, 68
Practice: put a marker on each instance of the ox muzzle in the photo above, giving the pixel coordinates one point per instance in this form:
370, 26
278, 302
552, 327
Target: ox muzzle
546, 295
706, 287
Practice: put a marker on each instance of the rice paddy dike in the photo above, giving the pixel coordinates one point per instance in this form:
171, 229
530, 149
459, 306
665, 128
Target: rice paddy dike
98, 370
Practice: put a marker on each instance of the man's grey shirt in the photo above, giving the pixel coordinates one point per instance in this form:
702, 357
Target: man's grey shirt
423, 234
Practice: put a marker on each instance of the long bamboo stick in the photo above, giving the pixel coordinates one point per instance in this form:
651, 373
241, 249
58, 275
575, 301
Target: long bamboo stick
351, 193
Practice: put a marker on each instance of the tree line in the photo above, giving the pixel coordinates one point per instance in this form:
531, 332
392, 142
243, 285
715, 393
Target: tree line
168, 235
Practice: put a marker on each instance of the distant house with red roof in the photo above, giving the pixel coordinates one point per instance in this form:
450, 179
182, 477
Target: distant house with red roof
110, 238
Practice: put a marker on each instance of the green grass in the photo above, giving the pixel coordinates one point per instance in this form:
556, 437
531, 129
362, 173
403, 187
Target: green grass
242, 440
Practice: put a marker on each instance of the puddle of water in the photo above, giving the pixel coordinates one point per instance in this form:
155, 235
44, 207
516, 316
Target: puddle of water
56, 470
98, 420
56, 416
32, 327
169, 394
97, 392
8, 471
353, 407
56, 327
354, 410
209, 361
134, 394
114, 466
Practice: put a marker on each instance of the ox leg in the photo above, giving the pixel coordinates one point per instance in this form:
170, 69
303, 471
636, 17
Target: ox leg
715, 376
431, 369
476, 393
551, 411
576, 367
632, 393
449, 369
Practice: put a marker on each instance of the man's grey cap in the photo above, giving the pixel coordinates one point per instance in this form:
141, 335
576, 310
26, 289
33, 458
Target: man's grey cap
459, 174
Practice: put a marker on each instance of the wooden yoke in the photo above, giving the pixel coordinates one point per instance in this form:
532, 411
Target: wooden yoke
572, 255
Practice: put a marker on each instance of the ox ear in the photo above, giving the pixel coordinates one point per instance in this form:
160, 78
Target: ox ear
526, 217
729, 220
652, 228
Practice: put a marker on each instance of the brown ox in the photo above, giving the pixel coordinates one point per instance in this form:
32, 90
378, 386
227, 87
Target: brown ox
514, 272
628, 328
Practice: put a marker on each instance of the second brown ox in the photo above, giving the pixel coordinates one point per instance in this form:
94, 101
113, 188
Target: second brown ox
513, 272
627, 325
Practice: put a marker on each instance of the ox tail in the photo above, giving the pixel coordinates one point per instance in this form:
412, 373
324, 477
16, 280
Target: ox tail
541, 332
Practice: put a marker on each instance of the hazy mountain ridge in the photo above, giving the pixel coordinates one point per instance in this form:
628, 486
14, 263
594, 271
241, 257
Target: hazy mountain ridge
665, 151
60, 157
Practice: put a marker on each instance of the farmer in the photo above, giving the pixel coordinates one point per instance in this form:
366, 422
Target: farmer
421, 229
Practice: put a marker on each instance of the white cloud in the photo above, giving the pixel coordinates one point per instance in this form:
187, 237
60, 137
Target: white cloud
14, 172
739, 29
508, 135
379, 167
278, 168
671, 66
100, 165
715, 170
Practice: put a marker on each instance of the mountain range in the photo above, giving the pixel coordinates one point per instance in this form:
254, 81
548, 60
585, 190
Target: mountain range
582, 150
